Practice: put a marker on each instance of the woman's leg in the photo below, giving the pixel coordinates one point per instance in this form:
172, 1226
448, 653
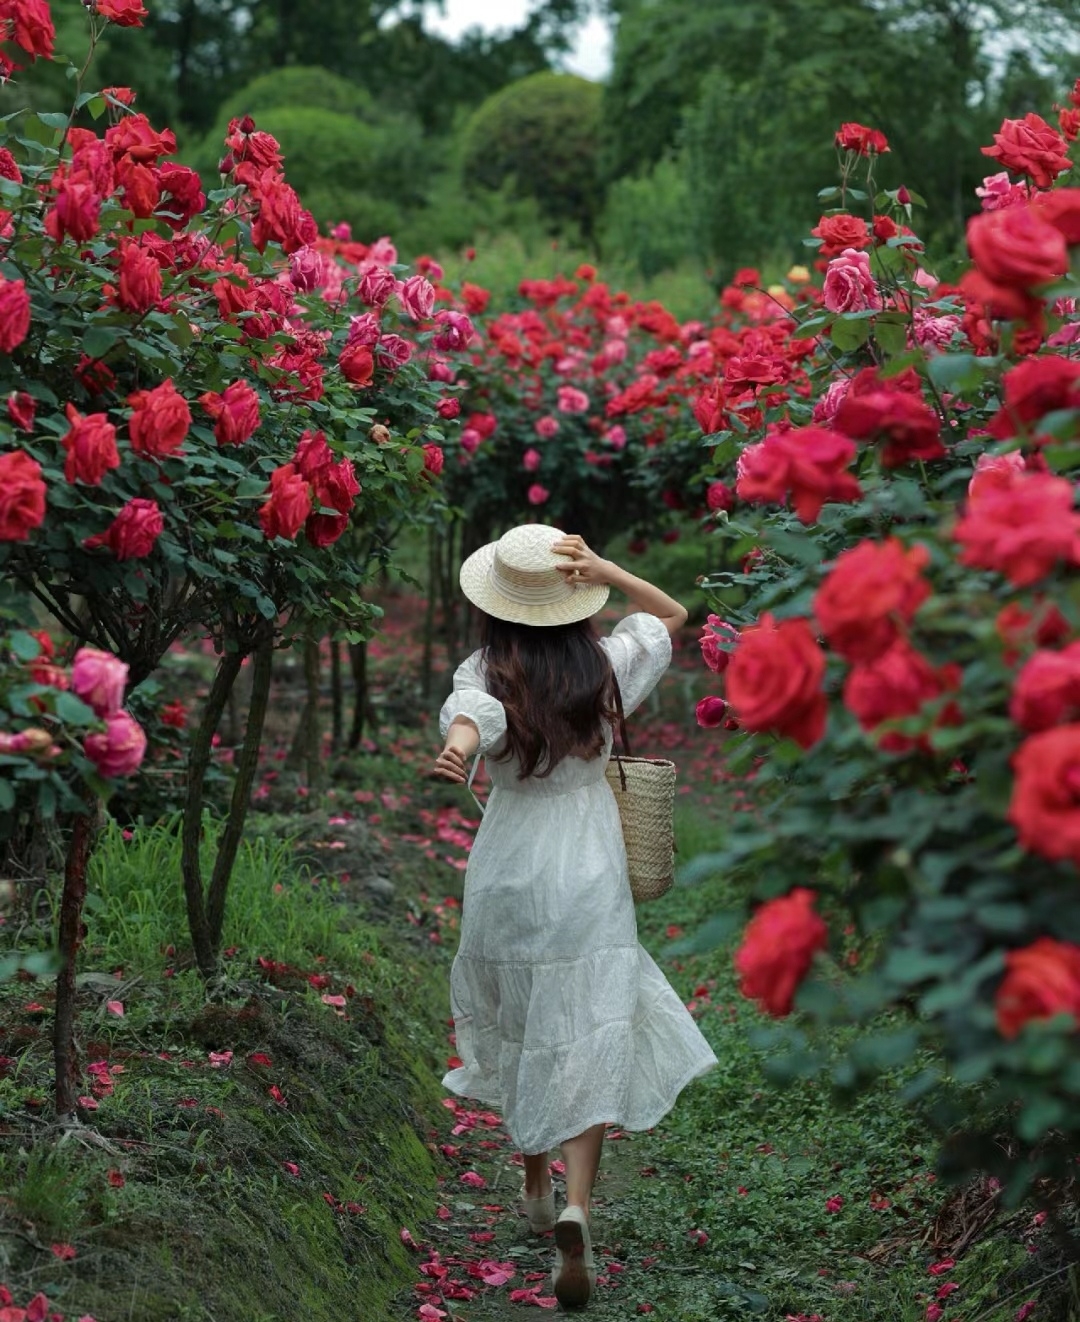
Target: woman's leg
582, 1157
537, 1175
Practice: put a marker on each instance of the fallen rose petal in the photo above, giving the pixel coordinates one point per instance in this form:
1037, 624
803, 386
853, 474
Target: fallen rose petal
407, 1240
473, 1180
116, 1008
291, 1167
65, 1252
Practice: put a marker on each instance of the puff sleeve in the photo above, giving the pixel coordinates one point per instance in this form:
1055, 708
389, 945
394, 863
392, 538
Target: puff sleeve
470, 698
639, 650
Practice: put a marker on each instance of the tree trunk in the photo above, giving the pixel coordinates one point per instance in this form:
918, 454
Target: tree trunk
65, 1052
246, 766
313, 742
337, 697
191, 836
358, 665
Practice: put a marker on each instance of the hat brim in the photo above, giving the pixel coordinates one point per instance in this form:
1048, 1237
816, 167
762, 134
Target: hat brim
476, 583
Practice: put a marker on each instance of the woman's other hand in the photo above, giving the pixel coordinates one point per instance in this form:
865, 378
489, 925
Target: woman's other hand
451, 765
582, 565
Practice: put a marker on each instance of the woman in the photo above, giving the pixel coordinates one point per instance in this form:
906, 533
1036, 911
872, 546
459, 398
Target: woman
562, 1019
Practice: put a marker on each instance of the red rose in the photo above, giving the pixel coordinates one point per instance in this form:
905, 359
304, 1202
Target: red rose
31, 26
288, 505
1030, 146
1041, 980
908, 426
839, 232
1033, 388
174, 715
21, 408
433, 459
312, 454
357, 364
324, 529
747, 371
1015, 247
1061, 208
713, 634
91, 447
75, 209
719, 496
448, 408
133, 533
710, 712
140, 280
709, 408
124, 13
236, 411
871, 592
182, 195
774, 680
1022, 531
1018, 628
160, 420
895, 685
281, 218
810, 463
135, 137
1045, 804
335, 486
22, 496
778, 948
858, 138
1047, 690
14, 314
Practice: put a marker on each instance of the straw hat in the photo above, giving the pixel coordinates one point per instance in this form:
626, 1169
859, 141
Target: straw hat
515, 579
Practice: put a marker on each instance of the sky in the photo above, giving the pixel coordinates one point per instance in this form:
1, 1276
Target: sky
591, 57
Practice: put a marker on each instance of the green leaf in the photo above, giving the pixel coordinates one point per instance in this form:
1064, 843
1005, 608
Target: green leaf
24, 645
248, 488
848, 332
98, 340
73, 711
891, 335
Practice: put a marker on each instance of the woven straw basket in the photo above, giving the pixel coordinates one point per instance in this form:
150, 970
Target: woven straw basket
644, 789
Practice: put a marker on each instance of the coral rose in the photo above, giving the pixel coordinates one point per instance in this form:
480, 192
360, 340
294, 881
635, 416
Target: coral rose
120, 750
90, 443
849, 285
99, 679
1047, 690
896, 685
1022, 531
22, 496
778, 948
133, 533
14, 314
774, 680
235, 410
839, 232
809, 463
1016, 247
288, 504
160, 420
907, 425
871, 592
1030, 146
1041, 980
1045, 803
1061, 208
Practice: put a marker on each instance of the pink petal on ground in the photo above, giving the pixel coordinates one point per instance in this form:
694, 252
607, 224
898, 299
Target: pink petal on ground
116, 1008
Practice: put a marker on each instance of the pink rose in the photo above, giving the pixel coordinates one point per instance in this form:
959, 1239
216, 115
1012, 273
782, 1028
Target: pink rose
441, 371
383, 252
998, 192
713, 634
616, 437
99, 679
376, 286
536, 494
828, 406
470, 440
399, 351
719, 496
995, 472
417, 297
572, 400
546, 427
531, 460
307, 270
849, 286
364, 330
455, 330
934, 332
120, 750
710, 712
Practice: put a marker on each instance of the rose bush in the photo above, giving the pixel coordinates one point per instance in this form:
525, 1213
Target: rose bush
899, 653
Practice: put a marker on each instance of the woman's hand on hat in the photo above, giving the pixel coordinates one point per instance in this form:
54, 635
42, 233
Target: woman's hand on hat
582, 565
451, 765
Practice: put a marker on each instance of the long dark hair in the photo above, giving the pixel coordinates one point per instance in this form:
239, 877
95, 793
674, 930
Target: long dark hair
557, 687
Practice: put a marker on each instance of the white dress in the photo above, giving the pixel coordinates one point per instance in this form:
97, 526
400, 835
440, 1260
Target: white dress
562, 1019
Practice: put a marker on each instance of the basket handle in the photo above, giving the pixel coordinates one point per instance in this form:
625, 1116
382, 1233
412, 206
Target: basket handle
623, 737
